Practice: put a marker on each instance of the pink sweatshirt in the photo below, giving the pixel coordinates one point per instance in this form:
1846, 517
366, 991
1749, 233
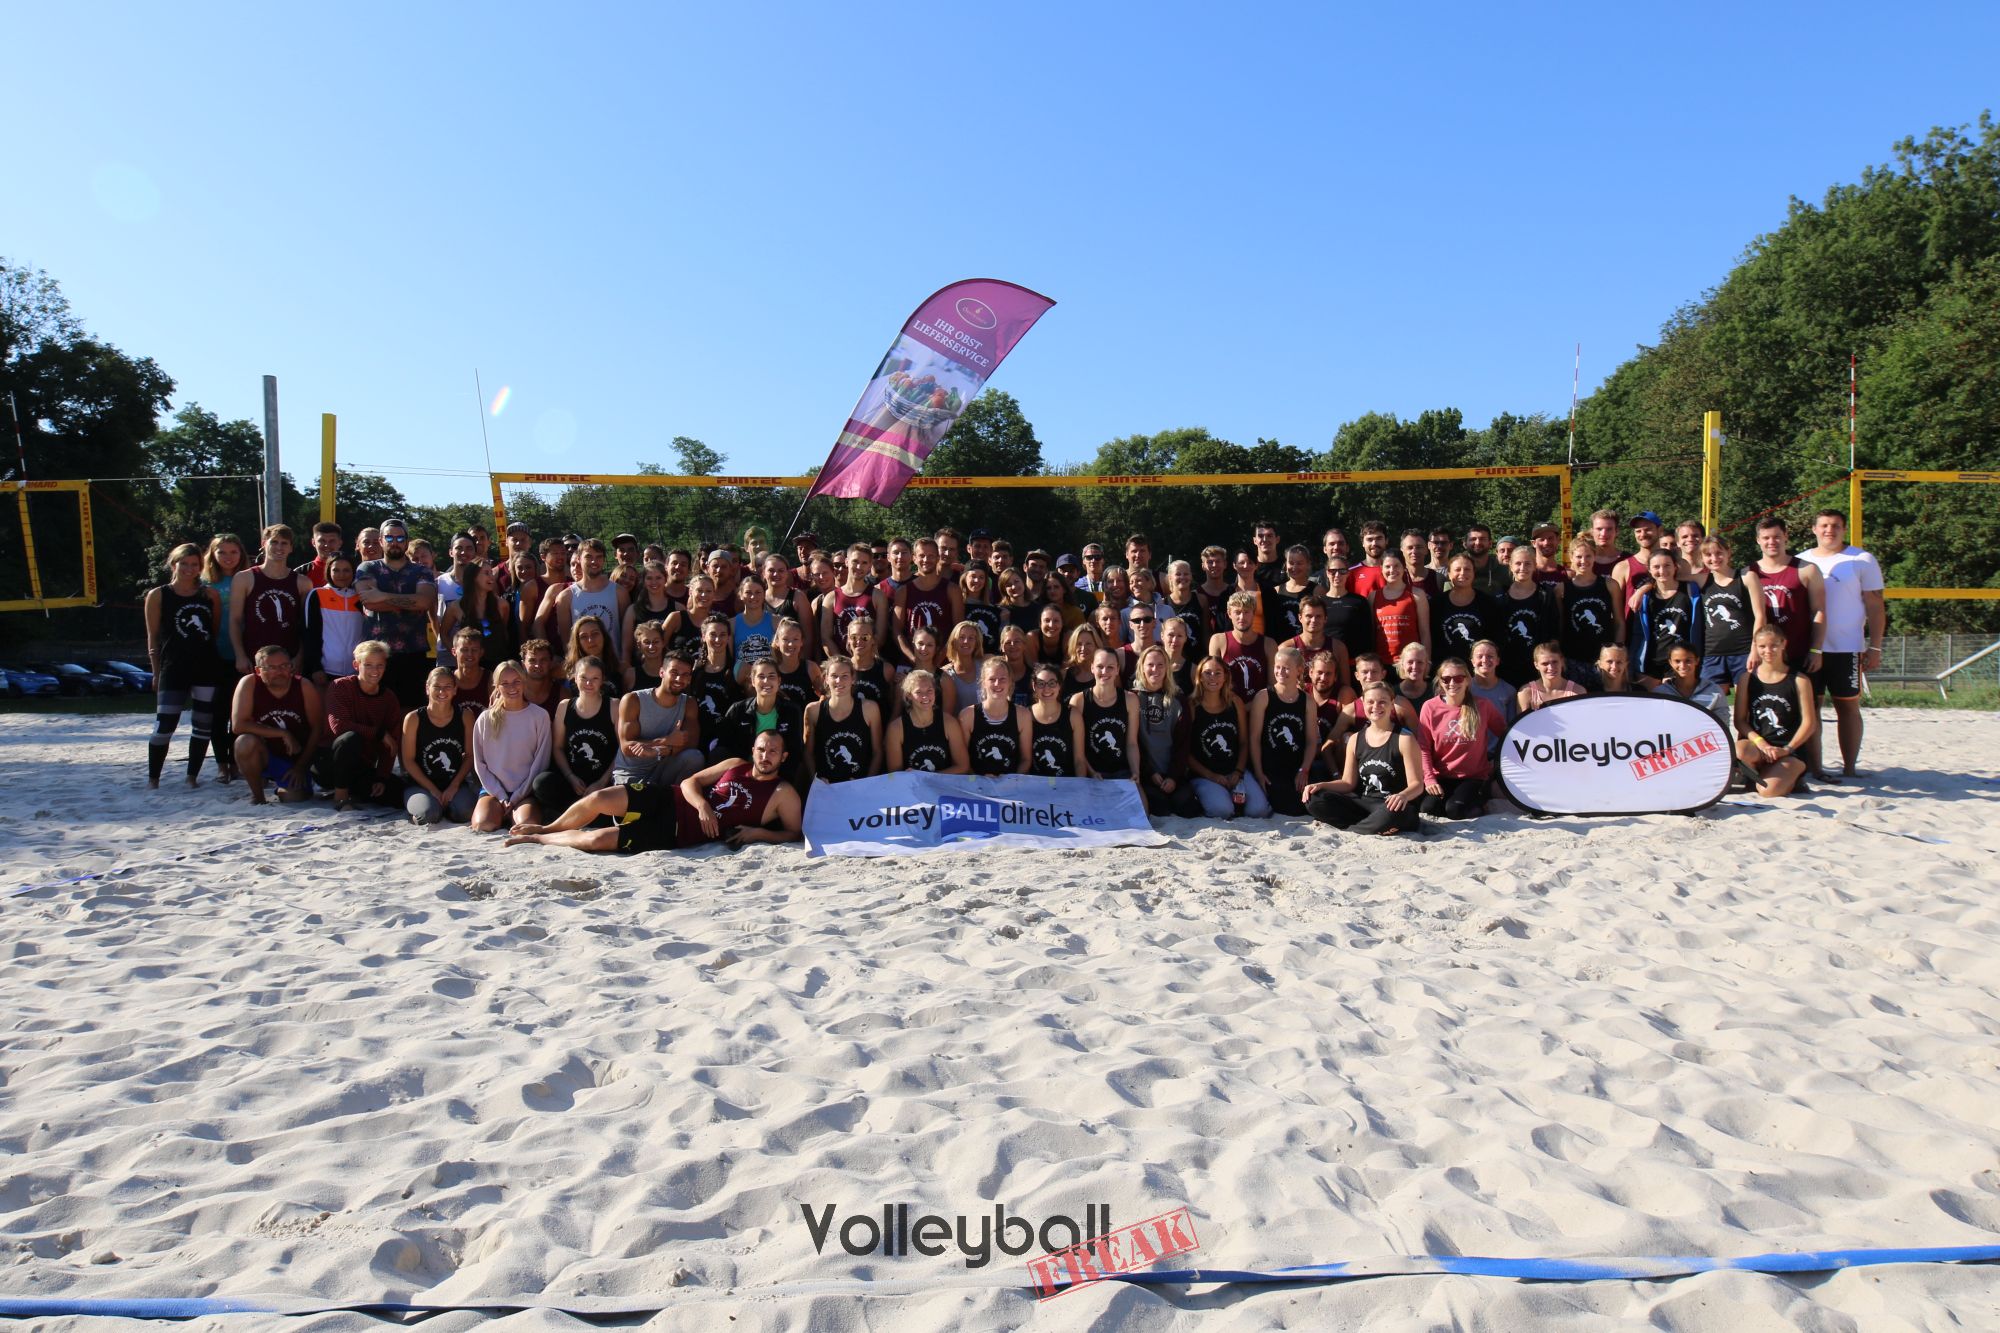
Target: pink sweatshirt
1447, 753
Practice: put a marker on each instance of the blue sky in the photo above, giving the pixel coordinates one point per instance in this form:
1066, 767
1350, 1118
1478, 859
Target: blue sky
657, 220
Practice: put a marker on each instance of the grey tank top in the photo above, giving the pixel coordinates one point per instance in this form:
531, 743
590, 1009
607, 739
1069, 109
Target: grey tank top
603, 604
655, 720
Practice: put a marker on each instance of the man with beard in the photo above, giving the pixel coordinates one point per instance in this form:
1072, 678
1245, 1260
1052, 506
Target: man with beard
733, 801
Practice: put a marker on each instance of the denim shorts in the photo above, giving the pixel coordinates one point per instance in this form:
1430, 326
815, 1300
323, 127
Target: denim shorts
1725, 669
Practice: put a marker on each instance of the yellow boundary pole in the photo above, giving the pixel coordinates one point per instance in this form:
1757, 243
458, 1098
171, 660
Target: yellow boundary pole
1711, 470
326, 469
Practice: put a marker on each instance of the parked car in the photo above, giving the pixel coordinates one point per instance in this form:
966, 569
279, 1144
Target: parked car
75, 680
20, 683
136, 678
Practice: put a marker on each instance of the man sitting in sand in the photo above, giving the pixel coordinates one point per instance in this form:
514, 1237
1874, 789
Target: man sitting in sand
732, 802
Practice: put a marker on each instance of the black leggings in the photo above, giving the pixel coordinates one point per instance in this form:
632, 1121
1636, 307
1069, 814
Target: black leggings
1464, 798
350, 764
176, 696
553, 794
225, 702
1180, 801
1282, 789
1361, 814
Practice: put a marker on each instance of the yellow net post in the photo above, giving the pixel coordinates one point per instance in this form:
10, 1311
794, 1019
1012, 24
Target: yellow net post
1711, 470
326, 434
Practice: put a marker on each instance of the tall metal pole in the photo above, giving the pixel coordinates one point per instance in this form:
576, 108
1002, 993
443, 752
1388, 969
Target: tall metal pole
1575, 377
1851, 362
274, 484
20, 449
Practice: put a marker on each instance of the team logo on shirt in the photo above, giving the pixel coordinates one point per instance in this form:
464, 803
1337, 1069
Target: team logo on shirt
443, 755
1108, 735
1585, 615
992, 749
273, 607
284, 719
1522, 627
1770, 721
1376, 775
733, 794
1282, 732
191, 621
1723, 613
843, 757
583, 750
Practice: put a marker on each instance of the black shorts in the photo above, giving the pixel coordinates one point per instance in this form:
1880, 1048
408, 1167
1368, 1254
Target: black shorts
1839, 676
650, 823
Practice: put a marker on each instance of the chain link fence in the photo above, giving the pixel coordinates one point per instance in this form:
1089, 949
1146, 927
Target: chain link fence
1918, 658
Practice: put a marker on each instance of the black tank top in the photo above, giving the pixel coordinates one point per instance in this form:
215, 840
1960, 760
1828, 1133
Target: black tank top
989, 620
713, 692
1218, 740
1667, 621
795, 687
189, 623
1457, 628
589, 744
686, 637
440, 749
1589, 619
995, 746
643, 679
1378, 769
1774, 709
1285, 739
1525, 622
872, 684
842, 748
1104, 731
925, 749
1727, 619
1051, 747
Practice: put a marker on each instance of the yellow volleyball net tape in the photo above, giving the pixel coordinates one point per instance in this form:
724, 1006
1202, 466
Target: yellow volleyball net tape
1855, 482
31, 554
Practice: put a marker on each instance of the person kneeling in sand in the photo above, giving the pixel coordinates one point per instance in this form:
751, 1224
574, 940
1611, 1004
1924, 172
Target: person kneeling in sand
732, 802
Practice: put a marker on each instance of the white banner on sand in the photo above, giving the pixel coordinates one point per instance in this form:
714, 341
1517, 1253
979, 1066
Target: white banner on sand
1616, 754
903, 814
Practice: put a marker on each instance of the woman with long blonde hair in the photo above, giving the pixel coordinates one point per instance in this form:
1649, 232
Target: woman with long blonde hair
510, 748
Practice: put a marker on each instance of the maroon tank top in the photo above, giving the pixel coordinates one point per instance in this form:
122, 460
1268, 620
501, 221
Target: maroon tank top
1245, 663
287, 712
274, 614
1789, 609
739, 801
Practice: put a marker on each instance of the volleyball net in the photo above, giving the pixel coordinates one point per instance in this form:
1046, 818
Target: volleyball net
694, 510
48, 549
1937, 522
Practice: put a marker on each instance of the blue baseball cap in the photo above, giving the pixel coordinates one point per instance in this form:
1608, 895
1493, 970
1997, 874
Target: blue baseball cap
1646, 516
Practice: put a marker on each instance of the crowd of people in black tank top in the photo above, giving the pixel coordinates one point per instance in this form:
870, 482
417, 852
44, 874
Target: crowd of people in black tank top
629, 696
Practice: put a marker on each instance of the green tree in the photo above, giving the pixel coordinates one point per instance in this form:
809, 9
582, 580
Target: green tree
85, 409
191, 502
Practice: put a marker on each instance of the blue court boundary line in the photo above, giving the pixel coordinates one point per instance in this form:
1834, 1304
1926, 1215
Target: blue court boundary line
1638, 1269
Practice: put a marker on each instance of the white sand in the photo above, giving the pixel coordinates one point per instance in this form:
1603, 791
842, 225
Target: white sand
376, 1060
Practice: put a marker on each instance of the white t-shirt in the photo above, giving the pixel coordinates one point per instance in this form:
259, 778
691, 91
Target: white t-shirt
1848, 572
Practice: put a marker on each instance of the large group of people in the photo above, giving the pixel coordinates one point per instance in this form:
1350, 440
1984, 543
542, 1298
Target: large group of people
629, 696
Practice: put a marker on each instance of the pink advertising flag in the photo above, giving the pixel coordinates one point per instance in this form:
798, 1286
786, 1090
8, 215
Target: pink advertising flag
947, 349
